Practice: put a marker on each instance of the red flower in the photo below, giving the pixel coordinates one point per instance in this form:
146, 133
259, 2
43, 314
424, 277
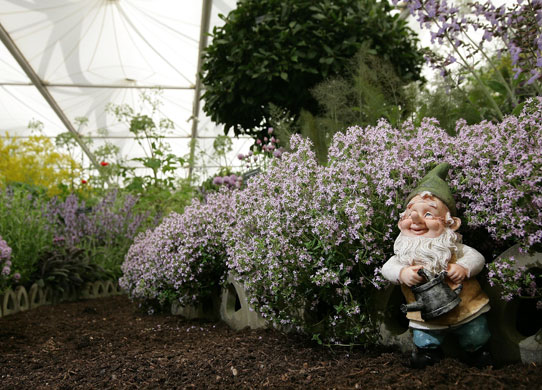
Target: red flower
104, 164
83, 181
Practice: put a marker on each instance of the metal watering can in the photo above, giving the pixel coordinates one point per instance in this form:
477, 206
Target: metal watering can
433, 298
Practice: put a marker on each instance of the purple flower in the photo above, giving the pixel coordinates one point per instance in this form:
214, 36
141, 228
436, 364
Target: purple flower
488, 36
535, 76
5, 250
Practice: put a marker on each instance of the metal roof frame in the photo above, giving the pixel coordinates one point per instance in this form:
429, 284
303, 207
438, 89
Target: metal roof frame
43, 86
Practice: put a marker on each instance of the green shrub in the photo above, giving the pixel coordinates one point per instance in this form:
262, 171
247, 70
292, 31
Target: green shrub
275, 51
24, 226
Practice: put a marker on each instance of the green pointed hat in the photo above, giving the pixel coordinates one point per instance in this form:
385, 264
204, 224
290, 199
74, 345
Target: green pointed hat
435, 183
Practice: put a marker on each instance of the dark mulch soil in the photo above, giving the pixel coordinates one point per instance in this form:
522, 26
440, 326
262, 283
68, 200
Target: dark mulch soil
107, 344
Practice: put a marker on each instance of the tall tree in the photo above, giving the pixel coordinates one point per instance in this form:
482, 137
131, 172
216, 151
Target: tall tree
275, 51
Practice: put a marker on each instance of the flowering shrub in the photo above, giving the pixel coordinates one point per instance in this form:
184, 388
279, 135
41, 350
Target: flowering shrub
101, 234
514, 281
315, 238
369, 175
183, 258
499, 175
267, 245
35, 161
498, 180
308, 240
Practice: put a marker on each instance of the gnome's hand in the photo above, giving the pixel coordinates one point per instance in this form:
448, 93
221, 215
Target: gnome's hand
457, 273
409, 275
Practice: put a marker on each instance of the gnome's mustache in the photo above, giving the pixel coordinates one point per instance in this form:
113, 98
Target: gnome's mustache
432, 253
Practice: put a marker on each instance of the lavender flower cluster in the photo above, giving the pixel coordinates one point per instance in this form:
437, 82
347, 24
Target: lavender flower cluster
183, 258
516, 27
105, 230
6, 265
499, 175
269, 246
308, 240
232, 181
5, 258
72, 221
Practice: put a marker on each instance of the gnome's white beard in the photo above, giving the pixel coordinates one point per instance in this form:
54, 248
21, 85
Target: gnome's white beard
431, 253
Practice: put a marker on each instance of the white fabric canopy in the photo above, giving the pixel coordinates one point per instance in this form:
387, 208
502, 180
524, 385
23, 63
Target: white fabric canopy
90, 53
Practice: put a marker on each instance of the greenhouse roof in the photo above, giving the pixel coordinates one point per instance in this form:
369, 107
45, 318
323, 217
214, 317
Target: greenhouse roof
63, 60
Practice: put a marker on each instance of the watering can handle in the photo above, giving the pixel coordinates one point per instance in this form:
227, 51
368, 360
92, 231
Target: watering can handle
423, 272
458, 289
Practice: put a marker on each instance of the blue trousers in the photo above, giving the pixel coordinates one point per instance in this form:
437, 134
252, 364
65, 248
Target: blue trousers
471, 336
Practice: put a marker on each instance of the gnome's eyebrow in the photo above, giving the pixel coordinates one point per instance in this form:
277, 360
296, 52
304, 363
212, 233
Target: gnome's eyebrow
431, 203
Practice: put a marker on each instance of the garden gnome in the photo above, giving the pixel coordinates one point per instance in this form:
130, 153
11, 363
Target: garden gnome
428, 240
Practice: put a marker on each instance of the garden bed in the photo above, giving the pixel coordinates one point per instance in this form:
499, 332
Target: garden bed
107, 343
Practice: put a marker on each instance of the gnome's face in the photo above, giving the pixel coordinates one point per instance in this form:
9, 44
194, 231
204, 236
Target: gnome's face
426, 216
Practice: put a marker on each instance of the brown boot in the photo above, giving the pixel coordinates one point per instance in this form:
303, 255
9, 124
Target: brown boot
423, 357
480, 358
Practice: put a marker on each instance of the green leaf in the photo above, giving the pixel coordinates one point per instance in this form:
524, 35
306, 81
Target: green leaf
517, 110
152, 163
497, 87
284, 76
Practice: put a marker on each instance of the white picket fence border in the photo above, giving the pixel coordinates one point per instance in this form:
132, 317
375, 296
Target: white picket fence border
15, 301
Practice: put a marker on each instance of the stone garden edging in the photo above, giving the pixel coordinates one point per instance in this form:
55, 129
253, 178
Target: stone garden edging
232, 306
13, 302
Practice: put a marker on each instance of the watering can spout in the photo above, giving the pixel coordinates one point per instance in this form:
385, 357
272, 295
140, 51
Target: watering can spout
414, 306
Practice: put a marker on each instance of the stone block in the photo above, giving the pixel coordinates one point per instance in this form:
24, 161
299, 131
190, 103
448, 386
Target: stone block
235, 309
9, 303
35, 296
23, 301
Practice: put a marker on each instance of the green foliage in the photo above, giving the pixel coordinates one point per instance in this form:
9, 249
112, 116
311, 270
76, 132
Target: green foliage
159, 202
24, 227
65, 269
284, 125
161, 190
447, 106
274, 51
149, 133
454, 98
369, 91
310, 129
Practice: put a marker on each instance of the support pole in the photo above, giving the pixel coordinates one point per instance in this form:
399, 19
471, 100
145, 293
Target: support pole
203, 34
40, 85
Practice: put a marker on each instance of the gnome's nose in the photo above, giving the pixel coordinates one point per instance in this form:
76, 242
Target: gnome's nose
415, 217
